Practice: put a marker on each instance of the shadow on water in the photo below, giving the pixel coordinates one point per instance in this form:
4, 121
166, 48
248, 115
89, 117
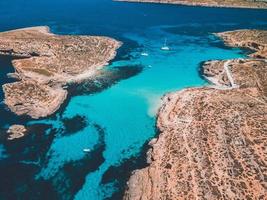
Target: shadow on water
6, 67
30, 158
123, 53
24, 160
109, 76
7, 117
74, 124
105, 79
122, 172
70, 178
24, 157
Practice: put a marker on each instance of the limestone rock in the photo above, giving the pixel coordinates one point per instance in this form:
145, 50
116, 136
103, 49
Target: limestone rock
45, 62
16, 131
212, 141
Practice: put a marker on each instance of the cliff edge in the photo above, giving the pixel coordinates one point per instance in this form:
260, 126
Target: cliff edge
45, 62
212, 141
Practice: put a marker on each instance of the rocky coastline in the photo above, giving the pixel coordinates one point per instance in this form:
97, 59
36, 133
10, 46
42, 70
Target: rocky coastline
209, 3
45, 63
212, 140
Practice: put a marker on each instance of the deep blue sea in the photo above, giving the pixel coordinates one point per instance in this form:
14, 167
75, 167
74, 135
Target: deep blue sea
113, 115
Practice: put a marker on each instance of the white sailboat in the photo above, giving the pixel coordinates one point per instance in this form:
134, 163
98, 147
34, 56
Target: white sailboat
165, 47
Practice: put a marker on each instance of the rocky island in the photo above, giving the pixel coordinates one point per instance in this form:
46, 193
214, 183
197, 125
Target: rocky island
212, 141
45, 63
16, 131
211, 3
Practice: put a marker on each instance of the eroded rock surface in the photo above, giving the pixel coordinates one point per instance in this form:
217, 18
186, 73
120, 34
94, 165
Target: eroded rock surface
212, 142
16, 131
46, 63
210, 3
245, 72
255, 40
32, 98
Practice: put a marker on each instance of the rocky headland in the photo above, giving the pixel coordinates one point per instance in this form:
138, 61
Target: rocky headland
262, 4
213, 139
46, 62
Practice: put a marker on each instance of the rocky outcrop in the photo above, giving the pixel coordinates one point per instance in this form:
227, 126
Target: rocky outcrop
16, 131
45, 62
245, 73
252, 39
212, 141
210, 3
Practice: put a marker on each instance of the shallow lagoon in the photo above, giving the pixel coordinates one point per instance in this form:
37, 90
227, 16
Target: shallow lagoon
114, 118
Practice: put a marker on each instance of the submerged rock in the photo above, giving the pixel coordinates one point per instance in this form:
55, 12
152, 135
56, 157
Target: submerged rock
16, 131
212, 141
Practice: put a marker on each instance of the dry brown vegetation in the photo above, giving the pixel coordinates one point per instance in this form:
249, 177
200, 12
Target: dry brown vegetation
48, 61
212, 142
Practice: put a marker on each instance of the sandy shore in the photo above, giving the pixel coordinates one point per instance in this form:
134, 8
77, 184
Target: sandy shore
46, 62
212, 139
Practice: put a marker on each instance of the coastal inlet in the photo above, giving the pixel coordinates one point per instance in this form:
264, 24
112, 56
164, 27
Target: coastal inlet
88, 148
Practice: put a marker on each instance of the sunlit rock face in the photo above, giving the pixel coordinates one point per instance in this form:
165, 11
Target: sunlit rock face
255, 40
212, 139
45, 62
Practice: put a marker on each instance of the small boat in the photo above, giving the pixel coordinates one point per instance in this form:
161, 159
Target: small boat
86, 150
144, 54
149, 66
165, 47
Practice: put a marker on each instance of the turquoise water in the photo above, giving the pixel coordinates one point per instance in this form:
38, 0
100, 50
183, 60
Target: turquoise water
114, 118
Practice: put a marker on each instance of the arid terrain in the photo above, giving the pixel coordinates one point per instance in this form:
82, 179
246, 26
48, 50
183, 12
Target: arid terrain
210, 3
45, 62
212, 141
251, 39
